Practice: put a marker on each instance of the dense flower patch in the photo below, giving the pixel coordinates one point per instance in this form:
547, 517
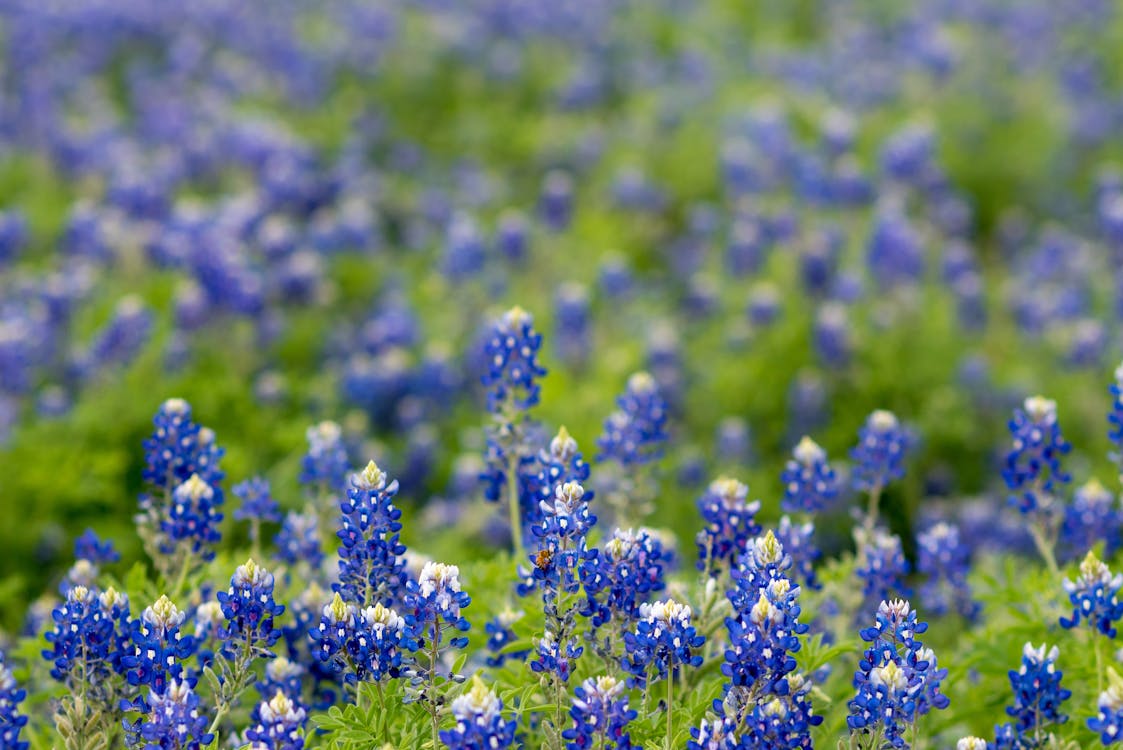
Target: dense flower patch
588, 374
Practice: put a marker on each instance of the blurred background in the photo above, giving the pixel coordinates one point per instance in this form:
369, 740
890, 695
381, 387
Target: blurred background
790, 213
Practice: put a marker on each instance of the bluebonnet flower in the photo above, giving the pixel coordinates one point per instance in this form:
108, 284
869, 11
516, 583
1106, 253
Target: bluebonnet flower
191, 521
897, 680
436, 601
1033, 467
781, 721
370, 563
512, 236
971, 743
325, 464
179, 448
1091, 518
730, 522
764, 561
335, 632
500, 636
832, 335
1094, 596
880, 453
764, 632
81, 573
81, 641
89, 547
249, 608
636, 431
571, 323
566, 521
299, 540
1115, 416
1108, 721
882, 566
281, 675
555, 656
664, 640
512, 359
170, 720
624, 573
479, 721
464, 251
798, 543
600, 716
944, 559
810, 484
895, 253
718, 733
11, 721
158, 648
556, 203
123, 335
277, 724
1038, 696
257, 501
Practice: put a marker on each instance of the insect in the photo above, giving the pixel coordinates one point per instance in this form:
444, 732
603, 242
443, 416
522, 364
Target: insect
543, 559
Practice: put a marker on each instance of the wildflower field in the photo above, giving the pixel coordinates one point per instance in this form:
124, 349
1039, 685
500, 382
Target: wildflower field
575, 375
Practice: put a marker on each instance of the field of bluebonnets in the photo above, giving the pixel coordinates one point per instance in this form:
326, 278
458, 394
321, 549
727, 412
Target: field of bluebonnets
583, 374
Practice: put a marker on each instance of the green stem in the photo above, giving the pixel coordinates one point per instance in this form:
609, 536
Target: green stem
872, 510
181, 581
433, 656
670, 705
1041, 541
1097, 643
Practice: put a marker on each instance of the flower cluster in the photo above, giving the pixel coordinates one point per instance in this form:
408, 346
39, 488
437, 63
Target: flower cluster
479, 721
1108, 721
882, 566
89, 547
554, 655
11, 721
623, 574
1038, 696
248, 608
880, 453
325, 464
179, 448
944, 559
362, 645
170, 720
277, 724
798, 542
1115, 416
897, 680
764, 629
561, 538
730, 522
82, 639
1033, 466
636, 431
371, 568
500, 636
1091, 518
664, 640
298, 541
810, 484
600, 715
158, 648
192, 519
1094, 596
512, 362
257, 501
435, 601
